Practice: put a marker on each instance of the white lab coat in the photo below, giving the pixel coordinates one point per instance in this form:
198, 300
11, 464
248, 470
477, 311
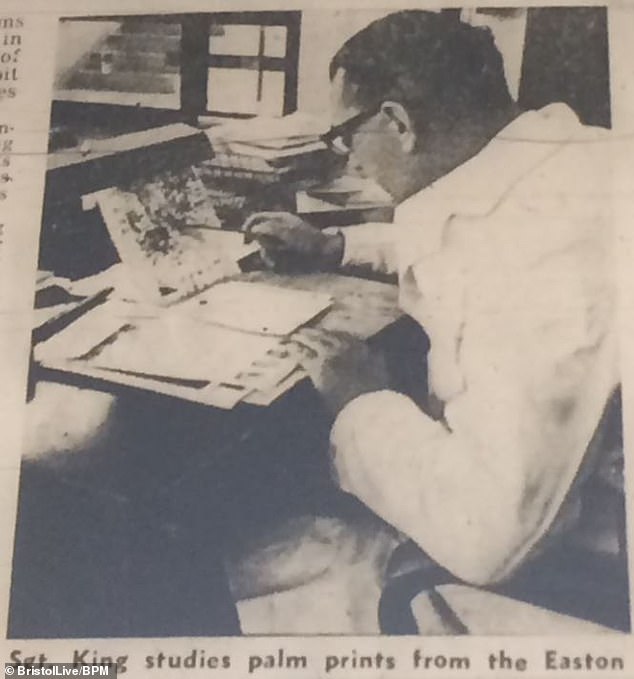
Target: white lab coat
507, 264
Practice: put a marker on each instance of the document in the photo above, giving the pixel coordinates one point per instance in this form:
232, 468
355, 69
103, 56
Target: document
255, 307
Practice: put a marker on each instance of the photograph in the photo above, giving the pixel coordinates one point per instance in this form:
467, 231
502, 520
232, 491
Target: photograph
325, 333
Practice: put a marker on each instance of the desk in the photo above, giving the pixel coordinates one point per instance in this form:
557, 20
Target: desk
125, 535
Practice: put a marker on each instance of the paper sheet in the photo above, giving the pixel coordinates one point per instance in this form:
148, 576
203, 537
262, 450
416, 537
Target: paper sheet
174, 347
85, 333
255, 307
157, 255
149, 344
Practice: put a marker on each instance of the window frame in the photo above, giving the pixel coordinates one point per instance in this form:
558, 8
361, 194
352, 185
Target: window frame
196, 59
196, 35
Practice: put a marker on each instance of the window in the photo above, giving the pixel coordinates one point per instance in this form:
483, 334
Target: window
250, 65
225, 63
247, 70
124, 61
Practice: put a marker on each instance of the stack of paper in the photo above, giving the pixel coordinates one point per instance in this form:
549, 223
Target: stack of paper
220, 348
273, 145
297, 126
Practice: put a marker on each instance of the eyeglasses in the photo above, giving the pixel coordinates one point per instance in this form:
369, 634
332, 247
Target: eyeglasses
339, 137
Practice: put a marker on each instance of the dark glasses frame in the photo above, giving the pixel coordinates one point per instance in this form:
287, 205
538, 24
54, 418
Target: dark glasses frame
345, 129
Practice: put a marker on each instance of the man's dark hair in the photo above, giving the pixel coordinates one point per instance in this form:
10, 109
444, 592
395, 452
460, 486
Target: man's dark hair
439, 68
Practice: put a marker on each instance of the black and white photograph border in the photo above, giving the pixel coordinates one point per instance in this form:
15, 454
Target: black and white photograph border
395, 228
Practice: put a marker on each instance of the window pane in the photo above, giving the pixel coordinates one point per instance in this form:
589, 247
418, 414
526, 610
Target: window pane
275, 41
272, 103
131, 62
232, 90
235, 90
243, 41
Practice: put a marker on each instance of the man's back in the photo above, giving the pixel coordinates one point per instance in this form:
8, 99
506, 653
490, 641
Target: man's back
513, 287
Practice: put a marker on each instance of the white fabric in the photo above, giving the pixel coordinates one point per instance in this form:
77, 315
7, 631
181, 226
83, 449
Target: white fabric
506, 262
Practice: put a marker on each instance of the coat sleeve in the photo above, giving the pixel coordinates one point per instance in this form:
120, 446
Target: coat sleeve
370, 245
477, 490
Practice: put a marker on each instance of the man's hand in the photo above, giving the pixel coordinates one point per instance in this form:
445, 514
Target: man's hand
341, 366
288, 243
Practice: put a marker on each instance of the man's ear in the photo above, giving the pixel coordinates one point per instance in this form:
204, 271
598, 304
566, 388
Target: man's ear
402, 123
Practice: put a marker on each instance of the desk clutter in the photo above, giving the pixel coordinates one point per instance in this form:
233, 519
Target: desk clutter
345, 200
176, 323
269, 149
171, 352
213, 347
176, 315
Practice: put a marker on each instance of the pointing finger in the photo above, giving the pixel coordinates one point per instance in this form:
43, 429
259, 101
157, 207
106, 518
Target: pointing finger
260, 217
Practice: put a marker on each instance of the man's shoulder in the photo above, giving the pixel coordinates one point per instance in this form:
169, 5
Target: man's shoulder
540, 153
576, 158
541, 185
554, 220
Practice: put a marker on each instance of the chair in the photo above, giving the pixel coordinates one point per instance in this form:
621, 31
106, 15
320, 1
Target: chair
583, 575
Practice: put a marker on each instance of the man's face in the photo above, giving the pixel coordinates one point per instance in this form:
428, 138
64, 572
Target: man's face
375, 149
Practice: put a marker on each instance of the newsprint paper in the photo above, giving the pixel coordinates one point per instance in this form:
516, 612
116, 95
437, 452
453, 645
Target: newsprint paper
316, 338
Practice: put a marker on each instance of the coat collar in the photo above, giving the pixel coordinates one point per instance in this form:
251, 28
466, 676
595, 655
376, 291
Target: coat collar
477, 186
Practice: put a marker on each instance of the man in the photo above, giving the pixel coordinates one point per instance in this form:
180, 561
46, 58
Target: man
501, 242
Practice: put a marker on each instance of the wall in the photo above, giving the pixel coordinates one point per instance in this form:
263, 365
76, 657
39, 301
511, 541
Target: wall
509, 30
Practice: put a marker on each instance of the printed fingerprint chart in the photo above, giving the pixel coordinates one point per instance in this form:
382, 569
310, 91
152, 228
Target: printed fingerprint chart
165, 262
